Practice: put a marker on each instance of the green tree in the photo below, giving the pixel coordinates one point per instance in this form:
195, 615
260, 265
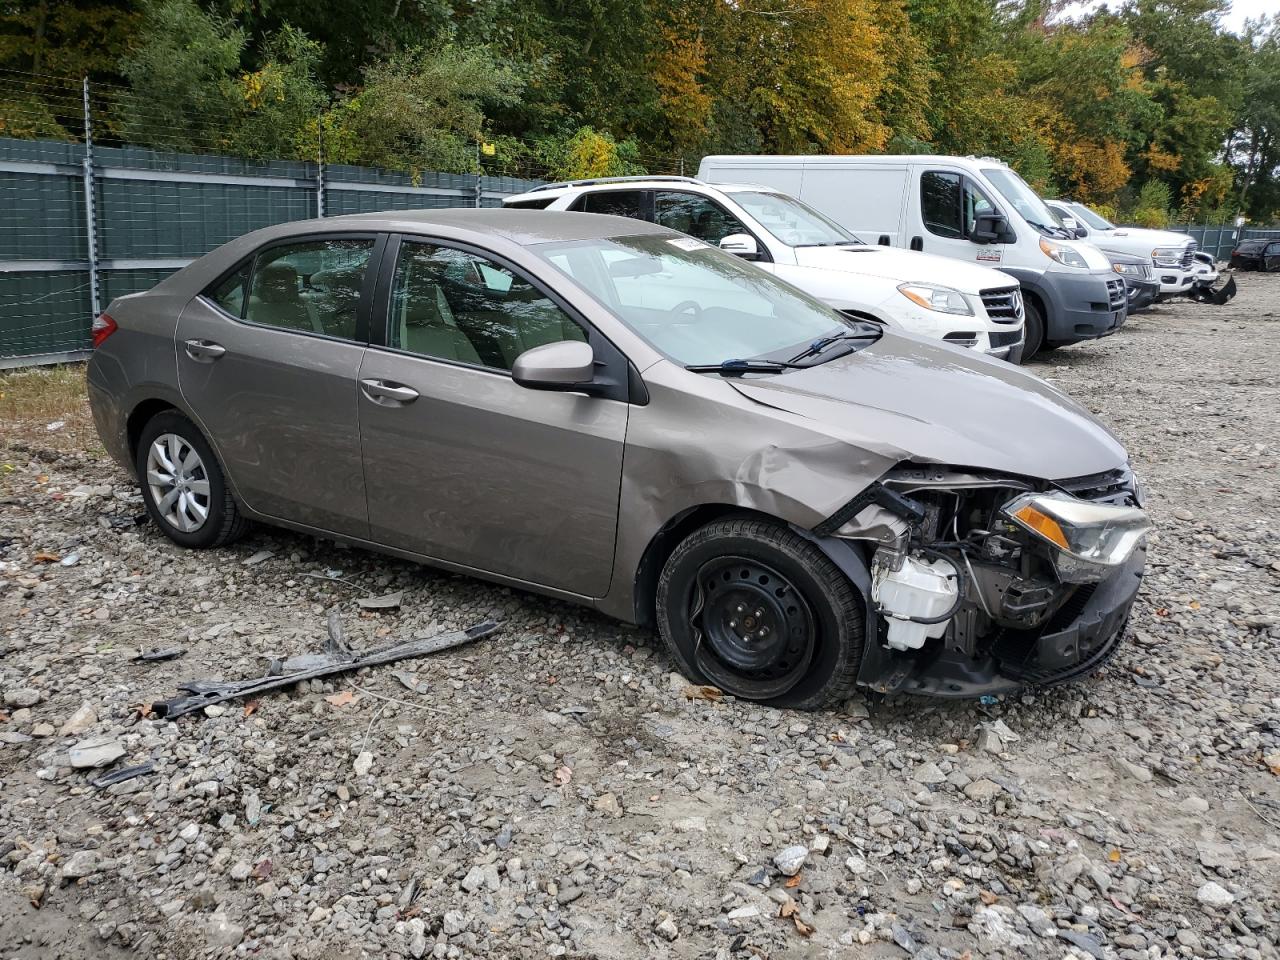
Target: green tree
423, 109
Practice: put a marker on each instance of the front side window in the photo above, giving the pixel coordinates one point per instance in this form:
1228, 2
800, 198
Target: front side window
940, 204
695, 215
794, 223
692, 302
448, 304
312, 286
618, 203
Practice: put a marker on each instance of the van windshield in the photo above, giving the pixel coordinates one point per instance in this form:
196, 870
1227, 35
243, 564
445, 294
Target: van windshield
794, 223
1022, 198
694, 303
1089, 217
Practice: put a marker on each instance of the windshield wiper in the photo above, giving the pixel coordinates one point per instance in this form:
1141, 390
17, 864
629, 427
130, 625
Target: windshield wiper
822, 345
729, 368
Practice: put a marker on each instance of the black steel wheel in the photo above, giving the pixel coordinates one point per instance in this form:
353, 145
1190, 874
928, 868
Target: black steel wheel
762, 613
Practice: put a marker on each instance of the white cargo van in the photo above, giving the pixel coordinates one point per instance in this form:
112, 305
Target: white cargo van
967, 208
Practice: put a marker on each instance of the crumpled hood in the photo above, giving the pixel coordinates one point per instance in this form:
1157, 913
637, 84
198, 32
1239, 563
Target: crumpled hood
908, 266
913, 399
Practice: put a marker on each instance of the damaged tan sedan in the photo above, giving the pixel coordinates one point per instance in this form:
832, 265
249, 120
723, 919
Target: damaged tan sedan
618, 415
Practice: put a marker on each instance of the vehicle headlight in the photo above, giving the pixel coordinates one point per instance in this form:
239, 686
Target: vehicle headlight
940, 299
1128, 269
1090, 538
1167, 256
1067, 256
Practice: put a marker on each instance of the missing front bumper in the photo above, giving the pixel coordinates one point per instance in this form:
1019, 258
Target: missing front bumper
1066, 648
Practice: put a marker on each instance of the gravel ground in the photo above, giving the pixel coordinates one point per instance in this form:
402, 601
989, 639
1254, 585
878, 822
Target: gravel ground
557, 791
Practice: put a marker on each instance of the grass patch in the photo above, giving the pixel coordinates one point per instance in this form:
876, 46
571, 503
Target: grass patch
33, 398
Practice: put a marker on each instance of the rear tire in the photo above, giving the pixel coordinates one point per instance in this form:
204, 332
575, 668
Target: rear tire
183, 485
1033, 332
762, 613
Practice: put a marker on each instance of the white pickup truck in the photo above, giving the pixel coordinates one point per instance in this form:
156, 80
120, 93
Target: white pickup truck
1171, 254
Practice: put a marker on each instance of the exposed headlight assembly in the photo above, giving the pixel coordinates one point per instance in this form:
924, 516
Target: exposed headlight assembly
1063, 254
1090, 538
939, 299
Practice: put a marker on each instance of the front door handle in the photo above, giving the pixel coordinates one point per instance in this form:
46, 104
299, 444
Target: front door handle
205, 351
388, 394
917, 243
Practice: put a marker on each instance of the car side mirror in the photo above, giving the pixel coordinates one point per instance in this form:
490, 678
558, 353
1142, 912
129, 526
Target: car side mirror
567, 366
990, 228
741, 245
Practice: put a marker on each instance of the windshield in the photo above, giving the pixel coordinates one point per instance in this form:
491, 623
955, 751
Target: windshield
1022, 198
794, 223
1089, 217
693, 303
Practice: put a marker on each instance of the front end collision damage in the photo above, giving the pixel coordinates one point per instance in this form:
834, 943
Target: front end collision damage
810, 446
1019, 619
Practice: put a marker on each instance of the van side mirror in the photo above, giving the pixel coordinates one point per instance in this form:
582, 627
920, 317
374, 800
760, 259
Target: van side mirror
741, 245
1081, 232
991, 228
567, 366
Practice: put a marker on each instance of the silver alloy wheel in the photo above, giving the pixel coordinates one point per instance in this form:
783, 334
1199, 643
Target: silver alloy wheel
178, 482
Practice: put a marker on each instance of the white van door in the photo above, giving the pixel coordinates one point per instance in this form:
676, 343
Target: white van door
865, 200
941, 213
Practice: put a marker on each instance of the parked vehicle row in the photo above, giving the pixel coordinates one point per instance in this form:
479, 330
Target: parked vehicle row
1171, 254
802, 501
962, 304
976, 210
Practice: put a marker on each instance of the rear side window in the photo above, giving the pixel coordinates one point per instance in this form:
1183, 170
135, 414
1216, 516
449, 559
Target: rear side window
230, 293
940, 204
312, 286
618, 203
539, 204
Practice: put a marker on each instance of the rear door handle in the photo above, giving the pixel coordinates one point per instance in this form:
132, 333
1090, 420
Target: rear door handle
388, 394
205, 351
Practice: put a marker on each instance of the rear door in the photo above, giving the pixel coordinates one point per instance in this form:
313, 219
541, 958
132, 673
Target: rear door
268, 359
464, 465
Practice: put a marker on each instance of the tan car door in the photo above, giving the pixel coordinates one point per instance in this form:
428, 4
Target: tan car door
462, 464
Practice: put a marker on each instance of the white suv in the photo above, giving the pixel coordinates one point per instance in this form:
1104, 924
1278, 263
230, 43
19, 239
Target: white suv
937, 297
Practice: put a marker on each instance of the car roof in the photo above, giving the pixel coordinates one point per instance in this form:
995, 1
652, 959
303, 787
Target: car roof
519, 226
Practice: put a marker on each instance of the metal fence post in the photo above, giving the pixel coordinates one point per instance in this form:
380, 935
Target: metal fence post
320, 168
90, 213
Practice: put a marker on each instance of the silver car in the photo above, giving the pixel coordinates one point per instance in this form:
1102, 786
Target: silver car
800, 502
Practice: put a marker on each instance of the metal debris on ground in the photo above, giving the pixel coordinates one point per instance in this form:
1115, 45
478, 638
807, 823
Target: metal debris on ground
158, 656
123, 774
1210, 295
338, 659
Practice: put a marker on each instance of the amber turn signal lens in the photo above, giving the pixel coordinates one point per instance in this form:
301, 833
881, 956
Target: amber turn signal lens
1042, 524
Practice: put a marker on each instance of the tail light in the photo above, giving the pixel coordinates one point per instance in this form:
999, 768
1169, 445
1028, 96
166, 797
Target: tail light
102, 328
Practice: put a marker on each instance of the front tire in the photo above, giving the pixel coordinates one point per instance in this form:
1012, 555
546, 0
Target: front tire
183, 485
762, 613
1033, 333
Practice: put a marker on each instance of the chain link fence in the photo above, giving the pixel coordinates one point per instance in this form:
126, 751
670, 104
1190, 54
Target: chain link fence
82, 224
